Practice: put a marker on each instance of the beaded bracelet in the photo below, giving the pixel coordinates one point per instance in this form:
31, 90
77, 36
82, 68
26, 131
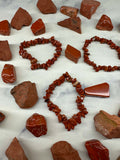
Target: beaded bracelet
92, 63
33, 60
76, 118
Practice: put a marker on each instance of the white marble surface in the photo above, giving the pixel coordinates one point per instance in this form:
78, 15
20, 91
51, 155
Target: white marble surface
65, 95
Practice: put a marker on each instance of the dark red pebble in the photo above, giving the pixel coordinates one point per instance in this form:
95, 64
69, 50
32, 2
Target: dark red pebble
2, 116
5, 28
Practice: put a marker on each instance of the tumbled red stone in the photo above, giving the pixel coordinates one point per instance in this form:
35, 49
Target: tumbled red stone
8, 73
5, 28
38, 27
2, 116
104, 23
15, 151
88, 8
5, 53
71, 23
36, 124
101, 90
46, 6
69, 11
21, 18
96, 150
72, 53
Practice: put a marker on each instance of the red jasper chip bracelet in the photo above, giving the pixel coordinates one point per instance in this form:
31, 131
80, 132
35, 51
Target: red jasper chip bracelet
76, 118
92, 63
33, 60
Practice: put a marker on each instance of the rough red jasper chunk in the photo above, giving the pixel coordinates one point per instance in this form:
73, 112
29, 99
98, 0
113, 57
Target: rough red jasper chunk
96, 150
15, 151
69, 11
101, 90
71, 23
38, 27
5, 53
21, 18
46, 6
88, 8
62, 150
36, 124
108, 125
72, 53
25, 94
104, 23
8, 73
2, 116
5, 28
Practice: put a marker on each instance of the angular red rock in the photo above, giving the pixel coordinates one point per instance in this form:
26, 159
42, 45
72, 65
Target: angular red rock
2, 116
8, 73
38, 27
36, 124
5, 53
71, 23
62, 150
72, 53
96, 150
15, 151
104, 23
69, 11
21, 18
108, 125
101, 90
5, 28
25, 94
88, 8
46, 6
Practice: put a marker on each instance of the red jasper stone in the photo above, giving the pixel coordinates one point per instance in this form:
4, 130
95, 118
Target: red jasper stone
88, 8
8, 73
21, 18
5, 53
101, 90
2, 116
72, 53
36, 124
69, 11
5, 28
46, 6
38, 27
71, 23
96, 150
104, 23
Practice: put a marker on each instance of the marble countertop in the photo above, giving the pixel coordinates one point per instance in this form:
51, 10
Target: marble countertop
65, 95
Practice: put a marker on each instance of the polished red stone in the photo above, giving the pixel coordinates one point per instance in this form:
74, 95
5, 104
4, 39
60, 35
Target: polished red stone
38, 27
104, 23
71, 23
101, 90
8, 73
88, 8
69, 11
72, 53
5, 28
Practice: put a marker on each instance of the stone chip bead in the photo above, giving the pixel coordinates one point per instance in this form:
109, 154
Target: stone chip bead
69, 11
5, 28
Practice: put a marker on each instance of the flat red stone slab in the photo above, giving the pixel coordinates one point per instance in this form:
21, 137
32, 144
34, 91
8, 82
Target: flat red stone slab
71, 23
69, 11
38, 27
104, 23
88, 8
46, 6
21, 18
72, 53
5, 28
100, 90
8, 73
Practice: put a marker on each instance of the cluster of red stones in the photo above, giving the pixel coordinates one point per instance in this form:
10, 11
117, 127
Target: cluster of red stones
33, 60
76, 118
92, 63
